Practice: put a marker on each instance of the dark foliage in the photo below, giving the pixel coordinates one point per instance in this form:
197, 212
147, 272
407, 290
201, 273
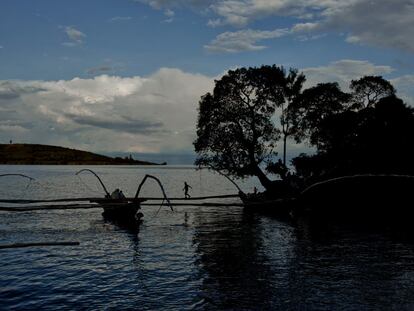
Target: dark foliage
235, 133
368, 130
368, 90
377, 139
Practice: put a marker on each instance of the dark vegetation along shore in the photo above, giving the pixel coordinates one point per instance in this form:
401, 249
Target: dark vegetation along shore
54, 155
366, 130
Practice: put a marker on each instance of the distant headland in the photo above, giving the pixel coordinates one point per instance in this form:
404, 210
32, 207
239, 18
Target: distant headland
55, 155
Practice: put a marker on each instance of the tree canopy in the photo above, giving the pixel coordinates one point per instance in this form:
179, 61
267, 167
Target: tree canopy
367, 130
235, 132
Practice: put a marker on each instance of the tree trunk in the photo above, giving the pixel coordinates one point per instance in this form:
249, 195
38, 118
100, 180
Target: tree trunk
284, 148
264, 180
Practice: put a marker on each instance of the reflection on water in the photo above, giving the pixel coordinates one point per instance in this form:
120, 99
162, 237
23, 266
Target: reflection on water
232, 257
219, 258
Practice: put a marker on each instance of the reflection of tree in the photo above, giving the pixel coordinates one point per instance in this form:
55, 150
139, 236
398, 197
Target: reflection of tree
229, 248
343, 268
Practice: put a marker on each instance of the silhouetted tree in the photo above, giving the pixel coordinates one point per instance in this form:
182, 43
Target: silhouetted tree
368, 90
384, 140
369, 130
283, 89
292, 91
311, 113
374, 134
235, 132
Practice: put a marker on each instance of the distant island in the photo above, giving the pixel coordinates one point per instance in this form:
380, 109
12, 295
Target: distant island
55, 155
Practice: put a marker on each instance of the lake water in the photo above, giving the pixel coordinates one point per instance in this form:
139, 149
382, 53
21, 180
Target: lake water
221, 259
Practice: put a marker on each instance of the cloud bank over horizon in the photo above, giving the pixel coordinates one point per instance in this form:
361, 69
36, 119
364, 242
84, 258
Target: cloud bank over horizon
147, 114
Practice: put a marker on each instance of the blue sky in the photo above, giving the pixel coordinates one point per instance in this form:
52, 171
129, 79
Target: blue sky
126, 75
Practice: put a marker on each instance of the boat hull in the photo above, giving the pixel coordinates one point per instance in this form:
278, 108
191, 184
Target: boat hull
121, 210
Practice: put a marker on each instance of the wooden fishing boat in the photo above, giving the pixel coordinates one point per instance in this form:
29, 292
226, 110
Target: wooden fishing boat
121, 209
117, 207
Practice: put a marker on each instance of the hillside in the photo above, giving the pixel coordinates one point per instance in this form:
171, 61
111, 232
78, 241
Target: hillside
44, 154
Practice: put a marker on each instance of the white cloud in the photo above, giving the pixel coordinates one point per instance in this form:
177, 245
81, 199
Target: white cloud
304, 27
169, 13
343, 71
405, 88
106, 113
75, 36
243, 40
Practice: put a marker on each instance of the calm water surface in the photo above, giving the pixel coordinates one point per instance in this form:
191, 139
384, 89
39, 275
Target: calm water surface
221, 259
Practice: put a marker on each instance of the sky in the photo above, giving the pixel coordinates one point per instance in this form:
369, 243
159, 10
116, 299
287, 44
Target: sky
113, 76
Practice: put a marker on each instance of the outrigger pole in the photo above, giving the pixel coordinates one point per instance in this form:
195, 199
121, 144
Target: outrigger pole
159, 183
224, 175
21, 175
96, 175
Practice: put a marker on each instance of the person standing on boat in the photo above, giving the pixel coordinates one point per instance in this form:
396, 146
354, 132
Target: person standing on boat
186, 187
121, 195
115, 194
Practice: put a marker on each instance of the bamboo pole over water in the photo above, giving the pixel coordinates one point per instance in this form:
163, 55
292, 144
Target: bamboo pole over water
132, 199
92, 206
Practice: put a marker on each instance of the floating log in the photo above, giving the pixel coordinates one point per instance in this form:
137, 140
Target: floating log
20, 245
48, 207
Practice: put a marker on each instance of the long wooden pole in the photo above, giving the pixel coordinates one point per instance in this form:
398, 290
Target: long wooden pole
132, 199
92, 206
48, 207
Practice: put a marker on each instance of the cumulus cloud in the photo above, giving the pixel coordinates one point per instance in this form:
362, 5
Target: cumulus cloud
170, 16
74, 35
343, 71
243, 40
405, 88
305, 27
12, 89
105, 113
169, 13
124, 124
